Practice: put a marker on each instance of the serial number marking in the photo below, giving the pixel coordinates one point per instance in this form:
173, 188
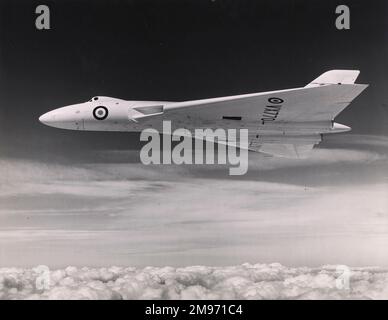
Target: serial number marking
271, 112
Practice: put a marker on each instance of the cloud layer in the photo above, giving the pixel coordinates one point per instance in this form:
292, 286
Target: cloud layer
246, 281
329, 209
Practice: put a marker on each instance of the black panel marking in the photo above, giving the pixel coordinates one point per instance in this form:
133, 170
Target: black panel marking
231, 118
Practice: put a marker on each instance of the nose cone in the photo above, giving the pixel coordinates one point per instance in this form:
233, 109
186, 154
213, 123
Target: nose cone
47, 118
64, 118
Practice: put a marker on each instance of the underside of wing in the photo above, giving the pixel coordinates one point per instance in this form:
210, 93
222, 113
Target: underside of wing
296, 146
289, 150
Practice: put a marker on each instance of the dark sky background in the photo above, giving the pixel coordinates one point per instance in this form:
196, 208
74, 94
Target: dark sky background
176, 50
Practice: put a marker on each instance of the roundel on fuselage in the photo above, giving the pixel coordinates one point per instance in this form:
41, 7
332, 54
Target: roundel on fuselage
100, 113
275, 100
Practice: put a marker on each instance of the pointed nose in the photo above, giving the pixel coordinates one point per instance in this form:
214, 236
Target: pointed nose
64, 118
46, 118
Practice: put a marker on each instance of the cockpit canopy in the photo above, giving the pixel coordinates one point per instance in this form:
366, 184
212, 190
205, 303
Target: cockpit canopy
102, 98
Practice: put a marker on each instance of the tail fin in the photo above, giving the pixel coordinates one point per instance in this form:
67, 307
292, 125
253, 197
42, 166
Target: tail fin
335, 77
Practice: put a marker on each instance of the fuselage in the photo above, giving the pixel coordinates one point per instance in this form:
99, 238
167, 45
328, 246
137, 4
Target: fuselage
112, 114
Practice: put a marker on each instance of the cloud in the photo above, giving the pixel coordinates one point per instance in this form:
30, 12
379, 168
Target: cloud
110, 179
329, 209
246, 281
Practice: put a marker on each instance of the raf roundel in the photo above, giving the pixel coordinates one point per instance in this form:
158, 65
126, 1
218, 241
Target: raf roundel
275, 100
100, 113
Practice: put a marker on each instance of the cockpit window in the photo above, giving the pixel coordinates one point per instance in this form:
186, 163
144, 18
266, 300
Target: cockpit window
93, 99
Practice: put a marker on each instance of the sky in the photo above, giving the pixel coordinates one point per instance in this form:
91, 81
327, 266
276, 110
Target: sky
83, 198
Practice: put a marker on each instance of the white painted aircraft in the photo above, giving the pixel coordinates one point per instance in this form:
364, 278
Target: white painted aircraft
285, 123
